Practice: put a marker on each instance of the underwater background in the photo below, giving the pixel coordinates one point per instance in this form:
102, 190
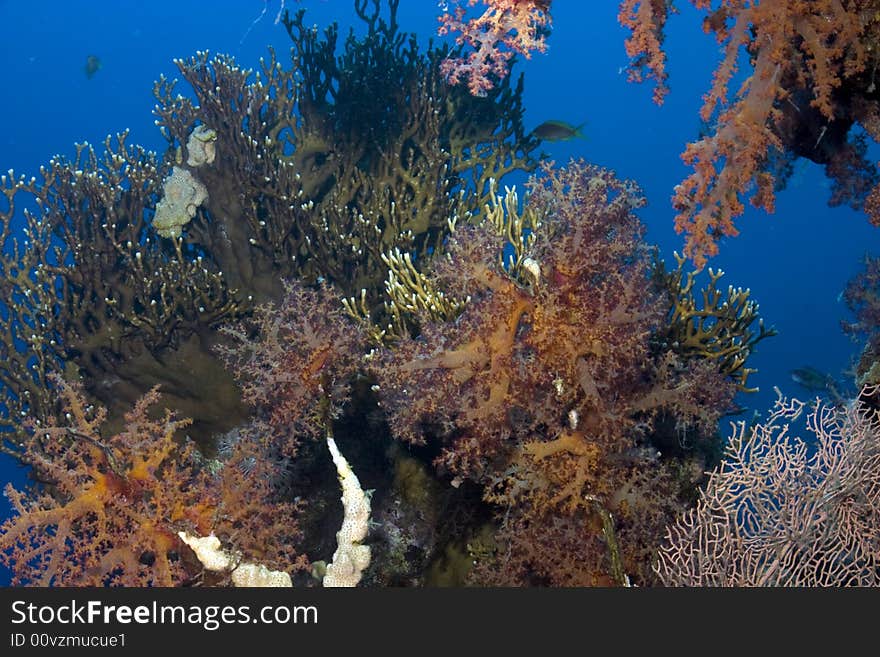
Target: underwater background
796, 261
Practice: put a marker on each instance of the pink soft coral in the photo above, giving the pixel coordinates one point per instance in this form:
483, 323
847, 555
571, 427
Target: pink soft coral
505, 27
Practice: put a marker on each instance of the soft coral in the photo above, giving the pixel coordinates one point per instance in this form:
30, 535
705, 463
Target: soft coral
109, 506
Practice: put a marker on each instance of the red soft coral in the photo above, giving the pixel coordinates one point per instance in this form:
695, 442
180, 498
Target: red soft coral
294, 357
110, 508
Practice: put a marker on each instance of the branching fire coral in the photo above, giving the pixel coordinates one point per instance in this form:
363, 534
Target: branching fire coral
327, 165
545, 389
124, 274
719, 328
92, 291
812, 79
566, 409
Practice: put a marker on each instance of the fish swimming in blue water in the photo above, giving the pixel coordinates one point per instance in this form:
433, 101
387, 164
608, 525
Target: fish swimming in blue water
558, 131
817, 382
812, 379
93, 65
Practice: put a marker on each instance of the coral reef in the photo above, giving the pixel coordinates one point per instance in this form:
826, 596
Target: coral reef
322, 258
315, 171
543, 395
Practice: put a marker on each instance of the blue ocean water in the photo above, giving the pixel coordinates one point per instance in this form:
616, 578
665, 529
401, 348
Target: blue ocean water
796, 261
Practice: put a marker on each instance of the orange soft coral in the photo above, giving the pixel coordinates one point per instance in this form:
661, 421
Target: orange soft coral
646, 19
505, 28
111, 506
806, 88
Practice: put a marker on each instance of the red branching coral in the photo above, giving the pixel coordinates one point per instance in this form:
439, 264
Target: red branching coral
546, 390
808, 85
505, 28
780, 511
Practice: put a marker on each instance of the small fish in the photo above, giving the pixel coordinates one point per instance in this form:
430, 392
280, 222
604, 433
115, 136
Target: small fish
819, 383
813, 380
558, 131
635, 455
93, 65
735, 409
